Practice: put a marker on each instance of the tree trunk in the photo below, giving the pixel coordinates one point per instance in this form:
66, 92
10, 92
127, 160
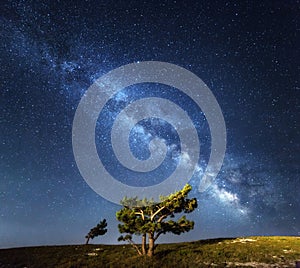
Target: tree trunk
144, 244
151, 245
87, 240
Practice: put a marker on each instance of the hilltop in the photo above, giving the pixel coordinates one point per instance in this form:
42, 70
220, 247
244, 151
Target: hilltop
279, 251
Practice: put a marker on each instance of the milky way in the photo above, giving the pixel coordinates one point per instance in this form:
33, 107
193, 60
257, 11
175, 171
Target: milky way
51, 53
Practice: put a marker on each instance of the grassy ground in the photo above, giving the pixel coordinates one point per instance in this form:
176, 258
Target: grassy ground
239, 252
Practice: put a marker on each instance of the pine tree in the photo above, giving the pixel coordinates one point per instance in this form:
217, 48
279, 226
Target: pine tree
100, 229
147, 218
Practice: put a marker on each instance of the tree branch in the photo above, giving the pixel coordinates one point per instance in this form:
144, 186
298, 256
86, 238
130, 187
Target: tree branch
142, 213
161, 218
159, 210
135, 246
158, 234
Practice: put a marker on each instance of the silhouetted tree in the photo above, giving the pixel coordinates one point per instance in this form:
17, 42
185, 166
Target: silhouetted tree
146, 218
100, 229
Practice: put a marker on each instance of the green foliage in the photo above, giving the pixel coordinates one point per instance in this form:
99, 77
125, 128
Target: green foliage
146, 218
100, 229
135, 202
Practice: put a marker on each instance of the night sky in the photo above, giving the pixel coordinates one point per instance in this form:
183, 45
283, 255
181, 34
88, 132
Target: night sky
53, 51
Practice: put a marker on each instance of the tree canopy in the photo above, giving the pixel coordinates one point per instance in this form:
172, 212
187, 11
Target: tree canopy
100, 229
147, 218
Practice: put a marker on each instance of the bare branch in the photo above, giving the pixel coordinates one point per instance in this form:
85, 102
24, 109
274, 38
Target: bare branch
135, 246
159, 210
161, 218
140, 213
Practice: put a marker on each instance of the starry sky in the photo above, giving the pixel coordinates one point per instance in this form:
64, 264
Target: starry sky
51, 52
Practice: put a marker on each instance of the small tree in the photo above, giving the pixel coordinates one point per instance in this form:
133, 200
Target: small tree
146, 218
100, 229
